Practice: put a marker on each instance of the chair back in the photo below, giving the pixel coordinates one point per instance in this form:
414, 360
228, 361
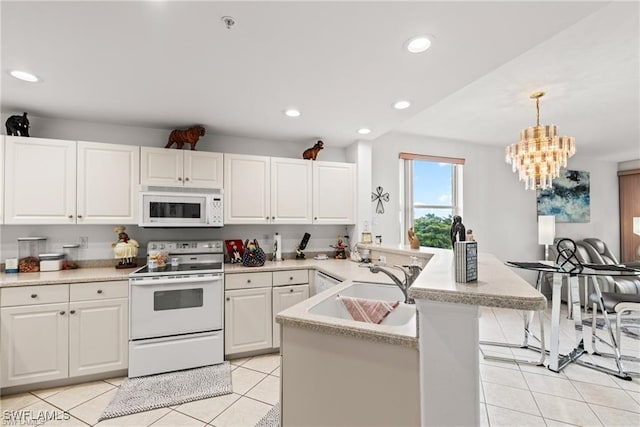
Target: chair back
599, 252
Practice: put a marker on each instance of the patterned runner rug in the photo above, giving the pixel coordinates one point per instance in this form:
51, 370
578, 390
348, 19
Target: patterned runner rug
173, 388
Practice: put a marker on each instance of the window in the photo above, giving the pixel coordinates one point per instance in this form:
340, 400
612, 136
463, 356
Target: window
432, 189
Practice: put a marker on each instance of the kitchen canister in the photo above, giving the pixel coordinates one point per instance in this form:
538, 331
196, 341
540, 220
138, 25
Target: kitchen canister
70, 256
29, 250
51, 262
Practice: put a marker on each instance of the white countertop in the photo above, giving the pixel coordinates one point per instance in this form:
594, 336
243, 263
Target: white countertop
497, 286
79, 275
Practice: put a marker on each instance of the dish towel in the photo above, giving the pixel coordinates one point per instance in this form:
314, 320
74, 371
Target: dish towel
368, 310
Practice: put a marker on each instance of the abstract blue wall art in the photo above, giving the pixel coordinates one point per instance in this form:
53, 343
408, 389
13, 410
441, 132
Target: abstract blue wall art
568, 199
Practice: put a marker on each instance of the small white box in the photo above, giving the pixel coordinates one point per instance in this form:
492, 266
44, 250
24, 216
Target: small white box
51, 262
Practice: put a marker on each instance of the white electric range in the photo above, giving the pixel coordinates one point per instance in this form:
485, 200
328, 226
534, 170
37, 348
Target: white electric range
176, 312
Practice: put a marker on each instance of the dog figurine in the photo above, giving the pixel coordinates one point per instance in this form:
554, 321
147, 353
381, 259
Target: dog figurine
18, 125
189, 136
312, 153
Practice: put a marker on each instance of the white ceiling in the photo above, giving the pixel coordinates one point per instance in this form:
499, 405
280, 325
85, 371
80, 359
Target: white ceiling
163, 64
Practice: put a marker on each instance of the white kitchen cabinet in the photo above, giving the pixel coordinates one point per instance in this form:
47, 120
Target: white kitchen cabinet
247, 189
334, 193
98, 336
40, 181
248, 321
252, 302
57, 331
291, 190
283, 298
180, 168
50, 181
107, 189
34, 342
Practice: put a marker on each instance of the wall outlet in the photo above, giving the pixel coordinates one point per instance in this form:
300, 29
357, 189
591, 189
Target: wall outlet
84, 242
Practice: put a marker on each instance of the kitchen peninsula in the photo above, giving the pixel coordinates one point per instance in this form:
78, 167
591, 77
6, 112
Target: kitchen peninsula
443, 354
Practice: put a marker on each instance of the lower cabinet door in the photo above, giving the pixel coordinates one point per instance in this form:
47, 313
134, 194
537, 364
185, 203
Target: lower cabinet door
34, 343
283, 298
247, 319
98, 336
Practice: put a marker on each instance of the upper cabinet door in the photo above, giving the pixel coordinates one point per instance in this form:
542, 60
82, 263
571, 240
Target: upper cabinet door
334, 193
291, 190
203, 169
40, 181
161, 167
247, 188
108, 179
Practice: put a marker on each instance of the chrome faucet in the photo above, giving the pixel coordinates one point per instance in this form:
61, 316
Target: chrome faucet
409, 277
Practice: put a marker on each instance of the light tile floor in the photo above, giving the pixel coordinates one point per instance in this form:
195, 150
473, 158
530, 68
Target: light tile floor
511, 394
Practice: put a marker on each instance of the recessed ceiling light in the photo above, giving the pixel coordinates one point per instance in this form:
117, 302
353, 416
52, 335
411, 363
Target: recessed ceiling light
401, 105
292, 112
418, 44
364, 131
23, 75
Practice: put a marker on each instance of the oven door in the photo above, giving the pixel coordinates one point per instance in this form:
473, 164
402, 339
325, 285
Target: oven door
173, 210
161, 306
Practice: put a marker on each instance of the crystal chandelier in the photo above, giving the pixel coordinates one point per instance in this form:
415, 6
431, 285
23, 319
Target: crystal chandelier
540, 153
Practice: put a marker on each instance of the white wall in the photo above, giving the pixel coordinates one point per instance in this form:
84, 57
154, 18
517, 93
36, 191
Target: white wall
631, 164
496, 206
43, 127
101, 236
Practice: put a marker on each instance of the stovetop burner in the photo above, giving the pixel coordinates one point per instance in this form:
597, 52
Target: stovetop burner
192, 257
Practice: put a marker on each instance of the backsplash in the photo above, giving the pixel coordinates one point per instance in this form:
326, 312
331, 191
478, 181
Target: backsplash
101, 237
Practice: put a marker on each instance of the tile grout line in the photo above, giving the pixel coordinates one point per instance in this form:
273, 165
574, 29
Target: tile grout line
513, 410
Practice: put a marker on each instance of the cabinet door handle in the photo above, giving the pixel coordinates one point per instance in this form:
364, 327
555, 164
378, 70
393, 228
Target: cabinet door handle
228, 299
62, 313
291, 278
179, 179
267, 218
290, 290
186, 179
273, 217
34, 295
70, 216
80, 216
99, 291
72, 312
248, 280
315, 217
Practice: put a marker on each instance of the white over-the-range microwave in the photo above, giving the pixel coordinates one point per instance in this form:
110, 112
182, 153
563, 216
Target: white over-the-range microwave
180, 207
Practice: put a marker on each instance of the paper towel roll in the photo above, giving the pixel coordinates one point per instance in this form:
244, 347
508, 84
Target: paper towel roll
277, 247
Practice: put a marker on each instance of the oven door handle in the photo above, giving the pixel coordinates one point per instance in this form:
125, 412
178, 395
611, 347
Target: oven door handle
147, 282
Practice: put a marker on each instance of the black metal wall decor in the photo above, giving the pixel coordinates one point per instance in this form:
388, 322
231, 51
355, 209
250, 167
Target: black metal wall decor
379, 196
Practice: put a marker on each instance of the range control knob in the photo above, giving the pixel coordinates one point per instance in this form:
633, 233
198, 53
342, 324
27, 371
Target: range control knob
153, 246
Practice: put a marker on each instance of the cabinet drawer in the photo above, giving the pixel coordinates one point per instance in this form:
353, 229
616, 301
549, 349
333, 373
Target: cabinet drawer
30, 295
247, 280
98, 290
290, 277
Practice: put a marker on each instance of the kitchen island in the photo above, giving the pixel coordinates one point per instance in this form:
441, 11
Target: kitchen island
440, 351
